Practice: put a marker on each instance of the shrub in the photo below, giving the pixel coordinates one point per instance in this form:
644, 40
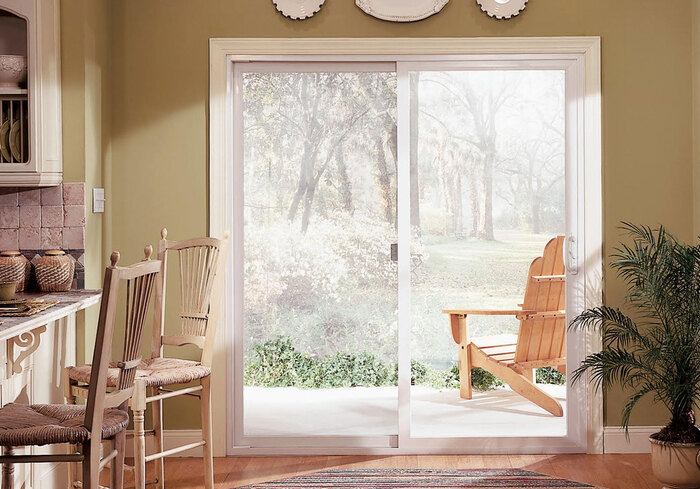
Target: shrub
549, 375
277, 363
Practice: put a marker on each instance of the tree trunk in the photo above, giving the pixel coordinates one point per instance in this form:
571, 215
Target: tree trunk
345, 183
486, 227
388, 196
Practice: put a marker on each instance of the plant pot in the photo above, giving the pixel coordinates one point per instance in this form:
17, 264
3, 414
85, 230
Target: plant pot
676, 465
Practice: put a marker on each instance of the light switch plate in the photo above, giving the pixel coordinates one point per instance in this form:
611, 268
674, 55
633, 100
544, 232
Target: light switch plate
98, 200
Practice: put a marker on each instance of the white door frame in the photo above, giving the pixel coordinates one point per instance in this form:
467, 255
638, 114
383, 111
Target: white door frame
583, 52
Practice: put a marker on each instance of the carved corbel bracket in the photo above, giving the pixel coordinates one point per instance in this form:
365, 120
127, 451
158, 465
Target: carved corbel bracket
27, 343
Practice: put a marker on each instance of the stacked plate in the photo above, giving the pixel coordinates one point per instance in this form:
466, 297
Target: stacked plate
10, 141
13, 306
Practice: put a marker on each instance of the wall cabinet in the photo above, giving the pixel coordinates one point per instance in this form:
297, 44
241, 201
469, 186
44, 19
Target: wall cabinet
30, 109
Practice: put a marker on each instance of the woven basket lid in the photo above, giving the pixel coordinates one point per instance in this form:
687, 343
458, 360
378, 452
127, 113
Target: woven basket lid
10, 253
55, 253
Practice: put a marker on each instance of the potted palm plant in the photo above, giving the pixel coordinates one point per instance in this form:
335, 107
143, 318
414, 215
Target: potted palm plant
655, 349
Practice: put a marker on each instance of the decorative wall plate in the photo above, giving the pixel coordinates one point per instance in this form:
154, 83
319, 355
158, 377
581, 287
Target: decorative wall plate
401, 10
298, 9
502, 9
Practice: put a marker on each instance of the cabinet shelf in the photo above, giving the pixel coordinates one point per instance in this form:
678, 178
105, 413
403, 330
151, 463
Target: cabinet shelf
18, 92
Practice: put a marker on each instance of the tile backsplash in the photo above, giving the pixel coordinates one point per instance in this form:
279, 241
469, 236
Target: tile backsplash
33, 220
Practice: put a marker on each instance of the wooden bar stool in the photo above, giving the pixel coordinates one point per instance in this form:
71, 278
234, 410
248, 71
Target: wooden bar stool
105, 416
200, 262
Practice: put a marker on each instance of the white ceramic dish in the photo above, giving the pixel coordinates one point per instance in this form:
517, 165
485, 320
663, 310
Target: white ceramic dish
298, 9
5, 141
15, 143
13, 70
401, 10
502, 9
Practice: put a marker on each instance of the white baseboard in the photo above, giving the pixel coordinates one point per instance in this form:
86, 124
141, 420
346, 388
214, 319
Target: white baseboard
615, 440
172, 439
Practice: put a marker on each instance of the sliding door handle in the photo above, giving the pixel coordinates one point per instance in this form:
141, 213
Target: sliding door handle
394, 252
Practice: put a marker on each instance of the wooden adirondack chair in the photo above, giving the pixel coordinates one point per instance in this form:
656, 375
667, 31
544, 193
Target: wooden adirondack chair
540, 342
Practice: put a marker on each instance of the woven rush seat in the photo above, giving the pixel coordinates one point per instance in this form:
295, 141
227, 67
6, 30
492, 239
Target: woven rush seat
44, 424
154, 371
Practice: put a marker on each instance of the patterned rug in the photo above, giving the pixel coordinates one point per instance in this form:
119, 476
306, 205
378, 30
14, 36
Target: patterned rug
418, 479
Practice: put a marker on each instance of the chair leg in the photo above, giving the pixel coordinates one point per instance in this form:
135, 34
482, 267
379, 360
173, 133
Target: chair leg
8, 469
206, 433
157, 416
460, 329
117, 468
71, 449
516, 381
138, 408
91, 465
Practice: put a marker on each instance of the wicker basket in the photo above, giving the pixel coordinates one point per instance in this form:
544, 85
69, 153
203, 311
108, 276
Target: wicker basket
14, 267
54, 271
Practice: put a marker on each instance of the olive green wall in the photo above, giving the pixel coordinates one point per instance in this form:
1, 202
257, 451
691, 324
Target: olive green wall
159, 96
85, 42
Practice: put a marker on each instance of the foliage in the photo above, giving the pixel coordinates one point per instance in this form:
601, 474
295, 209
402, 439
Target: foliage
658, 353
549, 375
277, 363
483, 380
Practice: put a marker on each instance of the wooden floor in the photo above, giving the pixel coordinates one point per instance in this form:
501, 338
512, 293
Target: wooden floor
609, 471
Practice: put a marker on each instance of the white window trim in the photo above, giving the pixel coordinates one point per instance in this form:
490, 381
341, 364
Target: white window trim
221, 200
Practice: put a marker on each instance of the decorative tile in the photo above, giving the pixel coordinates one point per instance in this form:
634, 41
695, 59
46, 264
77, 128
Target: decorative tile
73, 215
9, 217
51, 238
8, 196
29, 239
52, 195
73, 238
9, 240
30, 197
51, 216
30, 216
73, 193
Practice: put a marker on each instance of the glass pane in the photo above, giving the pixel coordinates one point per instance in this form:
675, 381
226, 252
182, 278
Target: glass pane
488, 170
320, 293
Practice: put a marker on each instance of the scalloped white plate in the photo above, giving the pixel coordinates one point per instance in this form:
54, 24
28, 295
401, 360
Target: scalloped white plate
298, 9
502, 9
401, 10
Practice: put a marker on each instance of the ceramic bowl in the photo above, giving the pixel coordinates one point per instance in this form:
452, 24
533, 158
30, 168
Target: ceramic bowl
7, 291
13, 70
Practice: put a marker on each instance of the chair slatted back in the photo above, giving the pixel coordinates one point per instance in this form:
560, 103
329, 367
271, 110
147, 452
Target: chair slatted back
543, 339
200, 261
140, 282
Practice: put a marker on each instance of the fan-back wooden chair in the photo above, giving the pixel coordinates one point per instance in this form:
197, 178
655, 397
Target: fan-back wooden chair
540, 342
201, 262
104, 417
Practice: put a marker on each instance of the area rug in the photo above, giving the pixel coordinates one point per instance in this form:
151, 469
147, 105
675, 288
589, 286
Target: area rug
418, 479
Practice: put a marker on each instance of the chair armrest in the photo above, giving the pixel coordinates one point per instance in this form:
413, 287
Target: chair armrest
549, 278
544, 315
487, 312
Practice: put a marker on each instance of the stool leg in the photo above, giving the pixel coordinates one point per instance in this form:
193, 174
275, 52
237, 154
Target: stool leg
138, 407
91, 465
206, 433
8, 469
117, 472
70, 399
157, 414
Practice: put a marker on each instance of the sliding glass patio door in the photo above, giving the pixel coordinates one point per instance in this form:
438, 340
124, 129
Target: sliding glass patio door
319, 298
370, 198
